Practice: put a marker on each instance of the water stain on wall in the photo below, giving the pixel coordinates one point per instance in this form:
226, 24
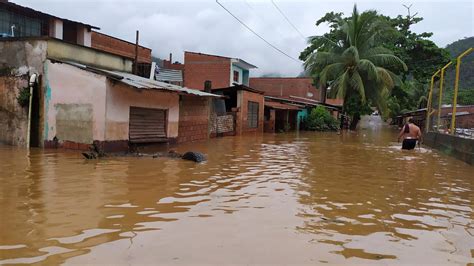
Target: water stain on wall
74, 122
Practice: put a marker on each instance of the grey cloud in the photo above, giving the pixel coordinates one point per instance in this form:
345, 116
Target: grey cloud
203, 26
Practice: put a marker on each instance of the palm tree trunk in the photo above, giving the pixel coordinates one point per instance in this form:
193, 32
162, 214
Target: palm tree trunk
355, 121
323, 93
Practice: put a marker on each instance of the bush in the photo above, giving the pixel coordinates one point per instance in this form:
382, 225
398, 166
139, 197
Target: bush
321, 120
24, 97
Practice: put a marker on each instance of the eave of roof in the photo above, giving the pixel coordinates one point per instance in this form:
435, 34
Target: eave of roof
281, 106
239, 87
141, 82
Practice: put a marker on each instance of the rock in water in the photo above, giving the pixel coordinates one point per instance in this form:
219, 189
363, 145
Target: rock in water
194, 156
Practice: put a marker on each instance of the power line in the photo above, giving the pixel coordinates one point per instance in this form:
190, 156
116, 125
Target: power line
288, 20
256, 34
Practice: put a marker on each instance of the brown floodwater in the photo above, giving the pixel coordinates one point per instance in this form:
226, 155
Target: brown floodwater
296, 198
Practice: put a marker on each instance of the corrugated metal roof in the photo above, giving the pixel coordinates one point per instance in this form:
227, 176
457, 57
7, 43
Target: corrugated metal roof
164, 74
141, 82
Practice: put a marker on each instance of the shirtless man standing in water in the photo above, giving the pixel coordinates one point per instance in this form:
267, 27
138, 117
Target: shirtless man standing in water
411, 133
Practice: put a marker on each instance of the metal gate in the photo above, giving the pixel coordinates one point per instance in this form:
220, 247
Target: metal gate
147, 125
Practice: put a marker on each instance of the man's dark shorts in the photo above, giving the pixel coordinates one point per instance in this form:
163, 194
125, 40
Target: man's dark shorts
409, 144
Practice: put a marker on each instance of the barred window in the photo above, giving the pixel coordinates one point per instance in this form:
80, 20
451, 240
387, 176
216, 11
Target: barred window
252, 114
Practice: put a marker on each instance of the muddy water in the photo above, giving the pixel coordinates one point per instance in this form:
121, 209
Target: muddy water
278, 199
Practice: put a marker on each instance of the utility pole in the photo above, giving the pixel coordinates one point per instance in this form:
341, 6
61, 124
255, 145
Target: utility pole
135, 65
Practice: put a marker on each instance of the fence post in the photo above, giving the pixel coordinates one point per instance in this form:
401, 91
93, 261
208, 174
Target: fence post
430, 99
456, 87
440, 103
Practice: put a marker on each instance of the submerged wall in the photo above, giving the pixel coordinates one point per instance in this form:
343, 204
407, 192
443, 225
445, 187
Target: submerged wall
18, 60
74, 104
121, 97
460, 148
194, 116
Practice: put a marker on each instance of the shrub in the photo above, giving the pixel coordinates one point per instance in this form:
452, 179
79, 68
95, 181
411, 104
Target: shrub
24, 97
320, 119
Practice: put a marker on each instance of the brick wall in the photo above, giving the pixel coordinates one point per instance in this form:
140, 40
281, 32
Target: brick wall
284, 87
120, 47
222, 124
193, 118
200, 67
176, 66
242, 123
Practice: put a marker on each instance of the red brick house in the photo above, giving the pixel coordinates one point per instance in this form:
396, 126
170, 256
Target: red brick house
220, 70
247, 104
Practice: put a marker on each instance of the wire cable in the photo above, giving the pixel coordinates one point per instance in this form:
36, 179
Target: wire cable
288, 20
258, 35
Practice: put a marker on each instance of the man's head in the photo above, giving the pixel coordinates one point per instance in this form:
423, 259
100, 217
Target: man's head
410, 120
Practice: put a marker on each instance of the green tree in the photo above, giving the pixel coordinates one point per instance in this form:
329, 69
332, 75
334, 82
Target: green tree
350, 60
320, 119
423, 58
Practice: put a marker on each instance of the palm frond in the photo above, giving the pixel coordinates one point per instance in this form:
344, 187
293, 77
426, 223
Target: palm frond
387, 60
356, 83
331, 72
369, 68
351, 56
385, 79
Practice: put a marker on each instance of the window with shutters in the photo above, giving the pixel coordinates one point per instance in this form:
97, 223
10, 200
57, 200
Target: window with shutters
252, 114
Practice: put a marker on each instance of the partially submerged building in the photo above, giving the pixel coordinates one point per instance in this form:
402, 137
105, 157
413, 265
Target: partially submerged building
289, 100
247, 106
92, 98
84, 94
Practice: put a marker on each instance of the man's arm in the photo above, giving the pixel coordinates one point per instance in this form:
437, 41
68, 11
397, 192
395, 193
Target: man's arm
401, 133
420, 137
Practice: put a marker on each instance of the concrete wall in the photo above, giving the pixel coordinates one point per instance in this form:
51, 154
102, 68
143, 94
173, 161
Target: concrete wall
70, 52
74, 104
121, 97
201, 67
194, 117
243, 97
460, 148
18, 60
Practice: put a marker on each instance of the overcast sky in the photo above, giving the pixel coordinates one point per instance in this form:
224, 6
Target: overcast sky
204, 26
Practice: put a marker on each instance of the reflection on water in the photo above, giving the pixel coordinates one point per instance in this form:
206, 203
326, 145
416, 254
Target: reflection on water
285, 198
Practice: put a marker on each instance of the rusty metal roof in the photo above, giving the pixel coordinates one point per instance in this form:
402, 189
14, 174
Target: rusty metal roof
141, 82
281, 106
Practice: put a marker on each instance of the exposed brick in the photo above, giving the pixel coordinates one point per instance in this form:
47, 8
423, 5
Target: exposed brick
193, 118
119, 47
284, 87
201, 67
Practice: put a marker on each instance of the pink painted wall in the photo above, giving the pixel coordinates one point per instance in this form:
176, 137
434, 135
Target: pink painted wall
70, 93
83, 107
121, 97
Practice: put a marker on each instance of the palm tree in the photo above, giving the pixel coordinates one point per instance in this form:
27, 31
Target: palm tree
354, 66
